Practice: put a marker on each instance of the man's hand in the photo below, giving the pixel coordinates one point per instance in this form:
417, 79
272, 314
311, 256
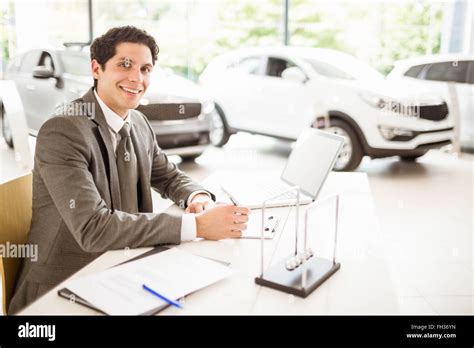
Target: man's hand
222, 221
199, 203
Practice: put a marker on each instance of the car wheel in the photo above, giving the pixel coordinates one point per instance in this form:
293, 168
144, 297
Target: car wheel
351, 153
189, 158
218, 134
411, 158
6, 130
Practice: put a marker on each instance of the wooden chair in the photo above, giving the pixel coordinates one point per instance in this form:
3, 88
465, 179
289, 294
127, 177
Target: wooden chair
15, 219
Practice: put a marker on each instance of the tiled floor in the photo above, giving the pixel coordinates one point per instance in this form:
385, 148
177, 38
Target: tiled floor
425, 212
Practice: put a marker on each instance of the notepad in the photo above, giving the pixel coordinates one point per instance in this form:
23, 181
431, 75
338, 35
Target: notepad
173, 273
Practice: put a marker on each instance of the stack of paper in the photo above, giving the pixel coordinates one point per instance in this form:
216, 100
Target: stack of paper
173, 273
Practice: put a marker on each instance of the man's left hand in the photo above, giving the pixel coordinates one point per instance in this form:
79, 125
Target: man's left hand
199, 203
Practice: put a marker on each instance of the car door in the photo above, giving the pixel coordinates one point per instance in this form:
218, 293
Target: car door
237, 90
24, 82
284, 106
47, 93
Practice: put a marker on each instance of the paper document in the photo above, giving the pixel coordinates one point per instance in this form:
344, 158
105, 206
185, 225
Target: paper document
173, 273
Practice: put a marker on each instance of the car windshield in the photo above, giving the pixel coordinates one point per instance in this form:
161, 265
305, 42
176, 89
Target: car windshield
76, 63
344, 67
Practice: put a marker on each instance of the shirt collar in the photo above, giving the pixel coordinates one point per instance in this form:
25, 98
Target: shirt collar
114, 121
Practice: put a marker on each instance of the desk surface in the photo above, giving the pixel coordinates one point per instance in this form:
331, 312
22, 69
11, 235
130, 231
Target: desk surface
363, 284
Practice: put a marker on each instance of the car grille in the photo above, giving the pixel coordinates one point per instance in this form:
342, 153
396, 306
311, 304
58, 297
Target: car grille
434, 112
167, 112
169, 141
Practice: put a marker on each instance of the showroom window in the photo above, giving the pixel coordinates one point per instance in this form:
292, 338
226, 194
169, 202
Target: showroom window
448, 71
30, 61
415, 71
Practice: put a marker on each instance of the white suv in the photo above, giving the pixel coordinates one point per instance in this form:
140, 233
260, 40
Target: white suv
278, 91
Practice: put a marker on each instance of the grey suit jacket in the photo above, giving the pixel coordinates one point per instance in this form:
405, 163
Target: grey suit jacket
76, 197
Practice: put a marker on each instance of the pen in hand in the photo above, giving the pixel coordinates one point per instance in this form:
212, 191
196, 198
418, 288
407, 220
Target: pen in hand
233, 202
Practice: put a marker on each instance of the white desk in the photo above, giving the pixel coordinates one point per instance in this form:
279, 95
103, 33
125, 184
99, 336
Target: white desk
361, 286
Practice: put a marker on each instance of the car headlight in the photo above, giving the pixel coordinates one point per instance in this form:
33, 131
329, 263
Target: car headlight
396, 134
208, 107
374, 100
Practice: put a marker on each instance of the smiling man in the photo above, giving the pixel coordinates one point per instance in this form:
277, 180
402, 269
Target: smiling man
93, 175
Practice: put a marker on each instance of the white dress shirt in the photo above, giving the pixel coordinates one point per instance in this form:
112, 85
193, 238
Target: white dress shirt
115, 123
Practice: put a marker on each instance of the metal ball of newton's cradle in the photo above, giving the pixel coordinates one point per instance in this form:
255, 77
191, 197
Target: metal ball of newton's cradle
290, 264
314, 271
297, 260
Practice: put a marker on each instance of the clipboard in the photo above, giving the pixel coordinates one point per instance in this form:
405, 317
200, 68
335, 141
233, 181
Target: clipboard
71, 296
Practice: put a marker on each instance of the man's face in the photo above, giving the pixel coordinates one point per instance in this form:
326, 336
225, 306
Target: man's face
125, 77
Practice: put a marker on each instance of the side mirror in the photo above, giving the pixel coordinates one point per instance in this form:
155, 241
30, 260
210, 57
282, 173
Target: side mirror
42, 72
294, 74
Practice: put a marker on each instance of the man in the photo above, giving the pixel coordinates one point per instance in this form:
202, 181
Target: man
93, 173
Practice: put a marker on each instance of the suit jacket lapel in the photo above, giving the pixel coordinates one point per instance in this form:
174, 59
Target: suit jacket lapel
99, 118
145, 203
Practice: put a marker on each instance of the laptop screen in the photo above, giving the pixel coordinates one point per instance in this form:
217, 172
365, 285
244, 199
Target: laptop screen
311, 160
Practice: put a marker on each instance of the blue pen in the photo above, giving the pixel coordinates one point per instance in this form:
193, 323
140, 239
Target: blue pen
171, 302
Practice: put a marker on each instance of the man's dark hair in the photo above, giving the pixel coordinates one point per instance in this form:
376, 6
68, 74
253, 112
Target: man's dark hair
103, 47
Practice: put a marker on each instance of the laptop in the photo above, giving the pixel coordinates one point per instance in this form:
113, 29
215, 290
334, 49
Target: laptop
308, 166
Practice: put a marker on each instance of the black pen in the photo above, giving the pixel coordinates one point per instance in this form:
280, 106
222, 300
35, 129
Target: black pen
232, 200
235, 204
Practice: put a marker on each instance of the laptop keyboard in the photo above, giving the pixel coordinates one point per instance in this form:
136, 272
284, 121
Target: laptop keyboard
254, 193
271, 189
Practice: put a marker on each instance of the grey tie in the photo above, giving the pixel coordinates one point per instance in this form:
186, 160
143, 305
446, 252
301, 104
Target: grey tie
127, 171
